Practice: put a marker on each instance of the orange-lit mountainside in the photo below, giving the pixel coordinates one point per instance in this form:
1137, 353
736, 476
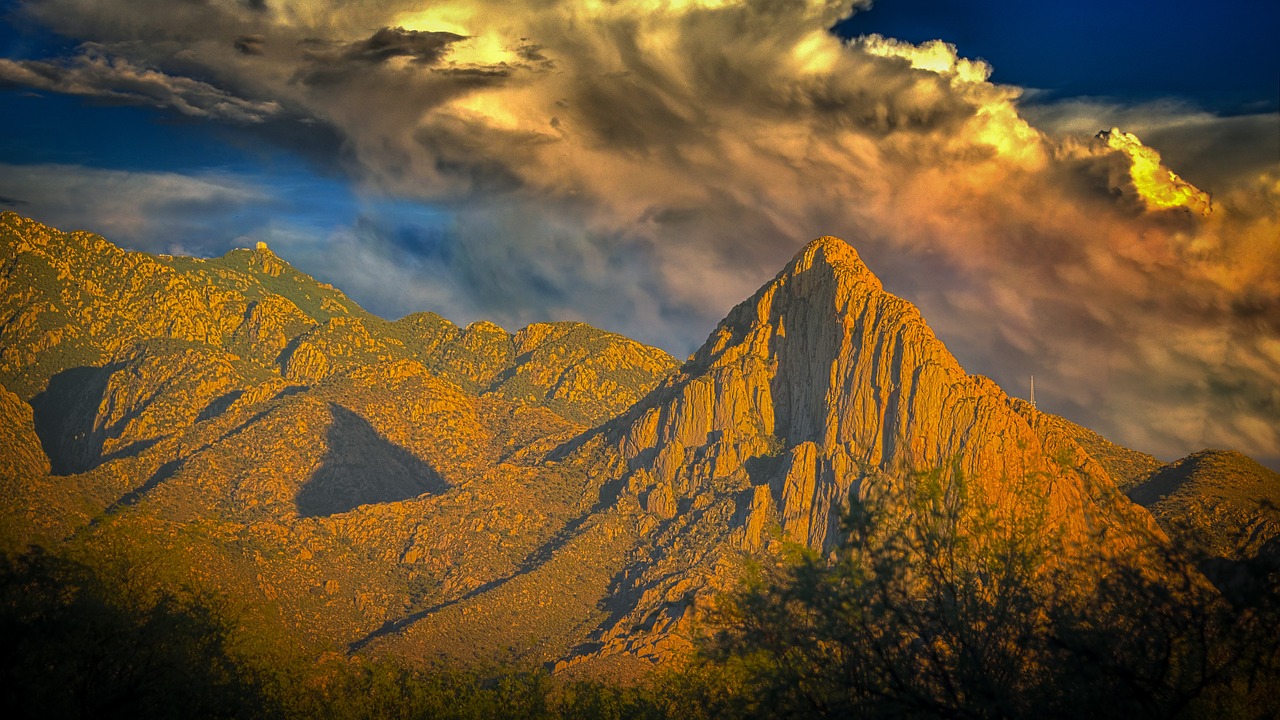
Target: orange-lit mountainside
561, 496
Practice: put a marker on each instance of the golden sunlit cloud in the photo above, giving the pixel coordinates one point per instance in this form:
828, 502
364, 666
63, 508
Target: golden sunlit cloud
1158, 186
935, 56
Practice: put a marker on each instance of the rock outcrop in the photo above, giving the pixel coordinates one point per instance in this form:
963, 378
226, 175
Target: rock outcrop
823, 379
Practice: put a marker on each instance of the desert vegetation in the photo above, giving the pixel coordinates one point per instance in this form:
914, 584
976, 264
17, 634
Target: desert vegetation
939, 603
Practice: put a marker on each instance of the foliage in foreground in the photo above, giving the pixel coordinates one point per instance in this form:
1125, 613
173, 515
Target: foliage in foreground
73, 648
938, 605
76, 645
941, 604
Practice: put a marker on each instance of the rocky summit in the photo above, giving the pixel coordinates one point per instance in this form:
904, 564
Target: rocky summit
558, 496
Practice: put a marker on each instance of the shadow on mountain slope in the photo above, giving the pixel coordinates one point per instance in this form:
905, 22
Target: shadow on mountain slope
65, 415
361, 467
531, 562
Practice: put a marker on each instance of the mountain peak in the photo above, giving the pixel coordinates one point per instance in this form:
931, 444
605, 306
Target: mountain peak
834, 254
839, 381
820, 386
265, 261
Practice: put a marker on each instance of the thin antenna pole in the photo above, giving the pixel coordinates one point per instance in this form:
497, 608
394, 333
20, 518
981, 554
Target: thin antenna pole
1033, 391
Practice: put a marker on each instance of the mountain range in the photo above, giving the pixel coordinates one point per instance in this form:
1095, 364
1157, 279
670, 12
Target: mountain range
558, 496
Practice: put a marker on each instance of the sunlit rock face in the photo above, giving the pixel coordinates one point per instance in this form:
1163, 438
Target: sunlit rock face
820, 386
22, 457
822, 380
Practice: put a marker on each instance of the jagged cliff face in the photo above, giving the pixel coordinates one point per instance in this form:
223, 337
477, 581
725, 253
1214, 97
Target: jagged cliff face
823, 379
558, 495
820, 385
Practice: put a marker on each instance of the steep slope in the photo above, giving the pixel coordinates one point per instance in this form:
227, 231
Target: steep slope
1127, 467
1223, 504
820, 385
22, 465
233, 425
837, 380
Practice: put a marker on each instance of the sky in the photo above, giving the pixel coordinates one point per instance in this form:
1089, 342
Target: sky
644, 165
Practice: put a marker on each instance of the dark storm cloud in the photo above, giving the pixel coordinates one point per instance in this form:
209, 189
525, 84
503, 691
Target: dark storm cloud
475, 77
250, 44
330, 63
97, 74
532, 52
423, 47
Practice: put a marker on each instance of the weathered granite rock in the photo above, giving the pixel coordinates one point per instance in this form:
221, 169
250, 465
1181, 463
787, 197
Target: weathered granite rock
821, 385
822, 379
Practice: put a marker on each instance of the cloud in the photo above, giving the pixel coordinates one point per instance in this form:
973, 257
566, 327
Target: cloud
152, 211
97, 74
250, 44
332, 63
423, 47
1159, 187
390, 264
1210, 151
643, 165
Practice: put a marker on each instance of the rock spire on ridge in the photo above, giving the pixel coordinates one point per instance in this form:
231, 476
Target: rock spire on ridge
831, 252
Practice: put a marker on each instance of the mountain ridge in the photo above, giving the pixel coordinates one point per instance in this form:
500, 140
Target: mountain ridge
560, 495
819, 385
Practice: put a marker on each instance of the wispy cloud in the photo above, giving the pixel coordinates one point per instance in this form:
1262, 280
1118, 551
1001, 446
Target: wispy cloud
159, 212
98, 74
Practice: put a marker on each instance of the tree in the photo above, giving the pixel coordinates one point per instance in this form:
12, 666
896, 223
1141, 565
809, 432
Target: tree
943, 603
72, 649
